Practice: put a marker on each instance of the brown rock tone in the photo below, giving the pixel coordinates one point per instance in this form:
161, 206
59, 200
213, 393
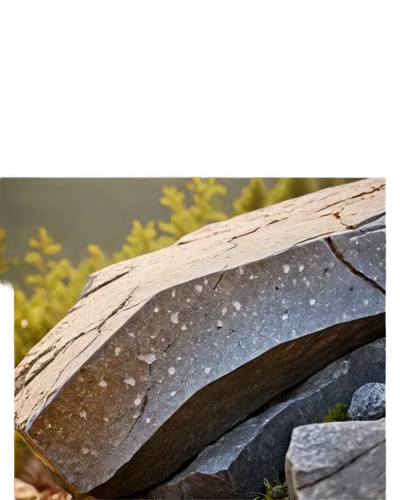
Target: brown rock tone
164, 353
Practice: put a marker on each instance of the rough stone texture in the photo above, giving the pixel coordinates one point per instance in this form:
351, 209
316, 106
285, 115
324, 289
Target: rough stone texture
339, 460
236, 465
160, 351
368, 402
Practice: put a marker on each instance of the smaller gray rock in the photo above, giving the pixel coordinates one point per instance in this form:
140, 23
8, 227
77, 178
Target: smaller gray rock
339, 460
368, 402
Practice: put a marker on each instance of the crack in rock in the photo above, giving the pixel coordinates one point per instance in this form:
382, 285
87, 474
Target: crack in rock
245, 234
350, 198
101, 285
114, 312
338, 254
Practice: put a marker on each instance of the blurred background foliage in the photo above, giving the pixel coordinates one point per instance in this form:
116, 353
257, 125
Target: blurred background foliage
46, 284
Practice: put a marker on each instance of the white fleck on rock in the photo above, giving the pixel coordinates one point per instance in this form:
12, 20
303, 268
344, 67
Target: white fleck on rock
85, 450
156, 309
106, 420
148, 358
237, 305
187, 300
224, 311
102, 383
83, 414
241, 270
174, 318
94, 453
366, 302
254, 313
152, 336
179, 358
117, 351
198, 288
162, 340
173, 393
171, 370
130, 381
285, 317
183, 327
312, 302
307, 283
48, 426
251, 277
147, 420
301, 268
173, 293
286, 268
137, 401
207, 370
220, 323
131, 334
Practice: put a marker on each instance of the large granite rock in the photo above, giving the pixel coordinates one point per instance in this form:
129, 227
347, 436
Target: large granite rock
339, 460
236, 465
368, 402
166, 352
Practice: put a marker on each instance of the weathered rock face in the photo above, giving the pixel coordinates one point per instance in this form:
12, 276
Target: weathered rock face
168, 351
368, 402
236, 465
340, 460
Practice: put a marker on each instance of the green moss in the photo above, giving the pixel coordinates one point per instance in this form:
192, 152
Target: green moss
337, 414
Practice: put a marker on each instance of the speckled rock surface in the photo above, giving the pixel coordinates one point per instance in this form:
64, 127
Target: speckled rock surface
236, 465
339, 460
168, 351
369, 402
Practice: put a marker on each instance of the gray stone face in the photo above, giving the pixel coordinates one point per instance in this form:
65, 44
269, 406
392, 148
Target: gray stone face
240, 460
340, 460
160, 351
368, 402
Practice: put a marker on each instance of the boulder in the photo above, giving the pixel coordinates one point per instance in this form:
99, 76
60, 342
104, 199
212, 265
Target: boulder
237, 464
368, 402
170, 350
339, 460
